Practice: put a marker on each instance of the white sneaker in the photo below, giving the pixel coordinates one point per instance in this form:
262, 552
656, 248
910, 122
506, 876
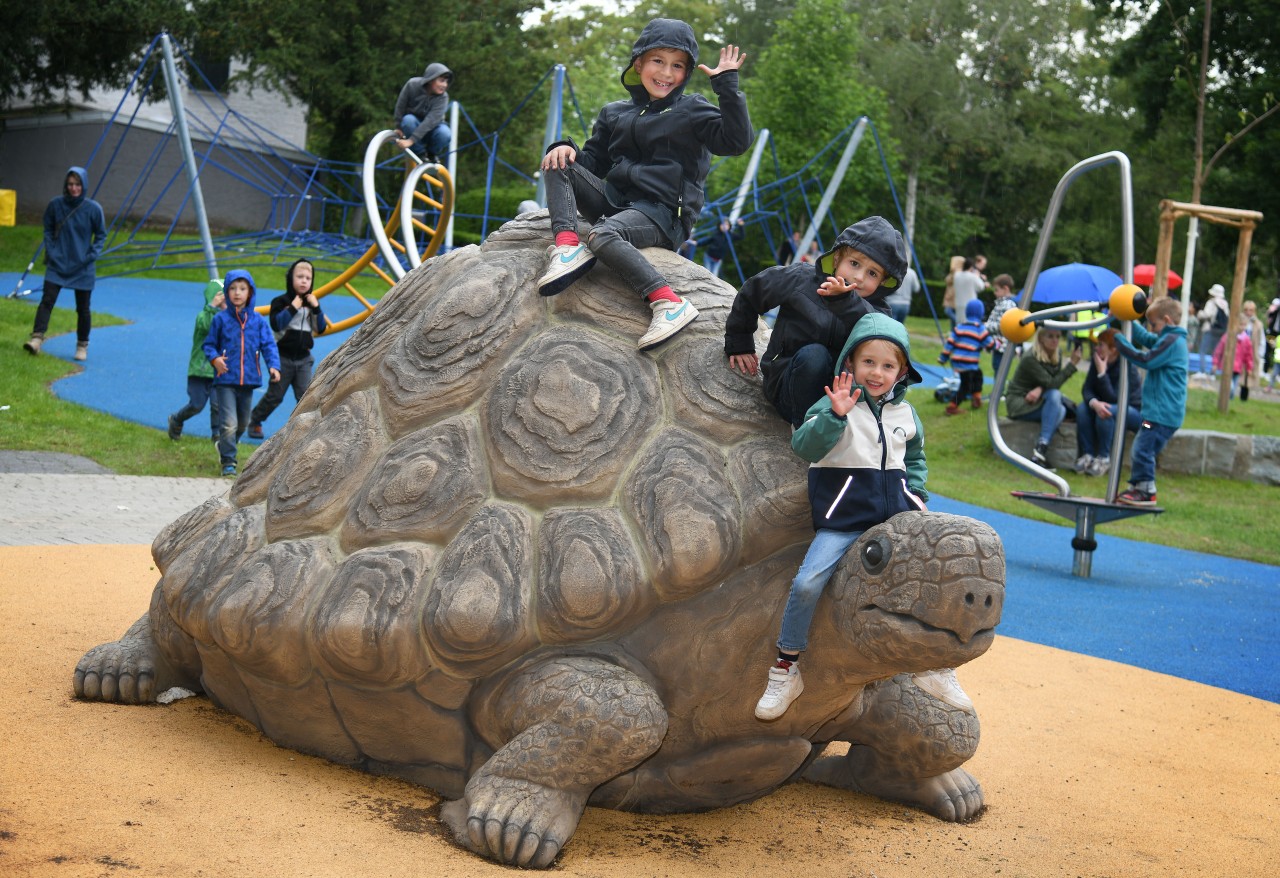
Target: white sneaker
82, 352
567, 264
1083, 463
1100, 466
784, 687
668, 319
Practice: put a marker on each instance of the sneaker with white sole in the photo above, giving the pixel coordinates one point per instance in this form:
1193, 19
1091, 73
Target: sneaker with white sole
1100, 466
1040, 454
568, 263
668, 319
1137, 497
82, 351
784, 687
33, 344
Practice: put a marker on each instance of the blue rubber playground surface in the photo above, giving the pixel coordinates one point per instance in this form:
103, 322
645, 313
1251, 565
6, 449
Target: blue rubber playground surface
1200, 617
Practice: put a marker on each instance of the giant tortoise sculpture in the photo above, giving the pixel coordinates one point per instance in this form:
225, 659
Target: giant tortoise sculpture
499, 553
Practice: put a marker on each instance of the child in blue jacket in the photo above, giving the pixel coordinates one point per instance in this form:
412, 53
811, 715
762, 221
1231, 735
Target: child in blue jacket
963, 348
866, 446
237, 337
1163, 354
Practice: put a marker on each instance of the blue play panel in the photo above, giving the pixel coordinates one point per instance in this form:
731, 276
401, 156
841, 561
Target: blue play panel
1200, 617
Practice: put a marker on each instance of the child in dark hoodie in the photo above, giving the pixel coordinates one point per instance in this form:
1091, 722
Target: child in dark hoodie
237, 337
296, 318
420, 112
818, 306
638, 179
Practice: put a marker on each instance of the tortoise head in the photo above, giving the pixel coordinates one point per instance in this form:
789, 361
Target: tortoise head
923, 590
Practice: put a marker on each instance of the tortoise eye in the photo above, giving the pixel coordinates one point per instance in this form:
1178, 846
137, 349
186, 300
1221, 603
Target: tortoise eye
876, 554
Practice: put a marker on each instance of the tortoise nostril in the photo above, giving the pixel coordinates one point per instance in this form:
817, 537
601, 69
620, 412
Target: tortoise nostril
968, 599
988, 601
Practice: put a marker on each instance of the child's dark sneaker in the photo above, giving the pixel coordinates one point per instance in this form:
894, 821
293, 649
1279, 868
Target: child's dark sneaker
1041, 454
1137, 497
953, 408
229, 471
668, 319
255, 431
784, 687
976, 400
175, 428
568, 263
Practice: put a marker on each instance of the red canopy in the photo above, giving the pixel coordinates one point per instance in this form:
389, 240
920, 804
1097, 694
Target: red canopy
1145, 275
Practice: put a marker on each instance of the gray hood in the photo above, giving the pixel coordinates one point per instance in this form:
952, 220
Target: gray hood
436, 69
877, 238
661, 33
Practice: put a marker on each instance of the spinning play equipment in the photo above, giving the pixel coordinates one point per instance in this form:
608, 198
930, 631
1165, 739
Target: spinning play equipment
1126, 302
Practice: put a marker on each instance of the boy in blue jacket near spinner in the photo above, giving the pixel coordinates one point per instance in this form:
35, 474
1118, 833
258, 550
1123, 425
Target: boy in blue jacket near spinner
639, 178
818, 305
1163, 354
866, 446
237, 337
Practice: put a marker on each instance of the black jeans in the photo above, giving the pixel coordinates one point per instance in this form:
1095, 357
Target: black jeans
616, 236
50, 298
293, 373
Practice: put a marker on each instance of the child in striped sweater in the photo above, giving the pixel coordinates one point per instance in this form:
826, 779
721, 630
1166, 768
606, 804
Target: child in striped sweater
963, 350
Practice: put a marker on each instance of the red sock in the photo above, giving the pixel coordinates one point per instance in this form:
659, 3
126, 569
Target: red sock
663, 294
567, 238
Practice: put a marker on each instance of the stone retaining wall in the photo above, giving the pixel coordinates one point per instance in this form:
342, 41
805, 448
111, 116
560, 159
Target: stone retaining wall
1198, 452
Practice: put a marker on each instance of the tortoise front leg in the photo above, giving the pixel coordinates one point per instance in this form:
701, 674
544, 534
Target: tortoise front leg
573, 723
908, 746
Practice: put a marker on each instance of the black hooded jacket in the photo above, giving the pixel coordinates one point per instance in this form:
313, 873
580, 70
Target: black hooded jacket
804, 316
654, 156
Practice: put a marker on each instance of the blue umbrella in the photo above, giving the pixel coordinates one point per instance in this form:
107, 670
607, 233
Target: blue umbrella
1075, 282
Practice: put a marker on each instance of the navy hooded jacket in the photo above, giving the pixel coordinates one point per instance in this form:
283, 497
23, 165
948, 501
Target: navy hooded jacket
241, 335
74, 231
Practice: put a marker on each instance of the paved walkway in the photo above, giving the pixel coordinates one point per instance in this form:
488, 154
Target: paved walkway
54, 499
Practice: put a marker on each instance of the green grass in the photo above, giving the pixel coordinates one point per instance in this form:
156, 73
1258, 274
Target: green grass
1220, 516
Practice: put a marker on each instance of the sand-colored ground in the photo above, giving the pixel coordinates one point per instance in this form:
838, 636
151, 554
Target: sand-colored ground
1090, 769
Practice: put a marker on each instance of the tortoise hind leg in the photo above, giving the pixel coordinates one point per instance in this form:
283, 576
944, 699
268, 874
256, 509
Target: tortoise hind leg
908, 746
151, 657
574, 723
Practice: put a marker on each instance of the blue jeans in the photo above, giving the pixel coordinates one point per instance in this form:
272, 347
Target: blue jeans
234, 401
1050, 415
900, 312
711, 264
1094, 434
1151, 440
293, 373
199, 392
802, 382
616, 236
825, 552
437, 142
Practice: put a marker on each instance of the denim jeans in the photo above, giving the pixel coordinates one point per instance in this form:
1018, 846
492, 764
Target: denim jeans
802, 382
711, 264
617, 238
1094, 434
199, 392
1050, 415
293, 373
900, 312
1151, 440
437, 142
825, 552
234, 401
84, 319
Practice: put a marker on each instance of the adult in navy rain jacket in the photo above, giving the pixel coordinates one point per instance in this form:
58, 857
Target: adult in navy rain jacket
74, 231
237, 337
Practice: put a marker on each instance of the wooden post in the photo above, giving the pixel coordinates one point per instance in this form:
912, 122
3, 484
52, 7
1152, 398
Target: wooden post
1233, 320
1164, 251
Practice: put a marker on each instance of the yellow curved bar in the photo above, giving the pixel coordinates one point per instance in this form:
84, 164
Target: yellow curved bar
441, 178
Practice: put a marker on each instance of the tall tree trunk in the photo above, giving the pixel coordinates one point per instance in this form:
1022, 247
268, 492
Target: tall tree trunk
1197, 181
913, 180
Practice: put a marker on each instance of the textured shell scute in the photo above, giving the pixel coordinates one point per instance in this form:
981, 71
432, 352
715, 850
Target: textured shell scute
713, 400
310, 492
566, 416
678, 495
259, 470
365, 627
448, 355
250, 619
198, 574
589, 578
424, 487
476, 617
